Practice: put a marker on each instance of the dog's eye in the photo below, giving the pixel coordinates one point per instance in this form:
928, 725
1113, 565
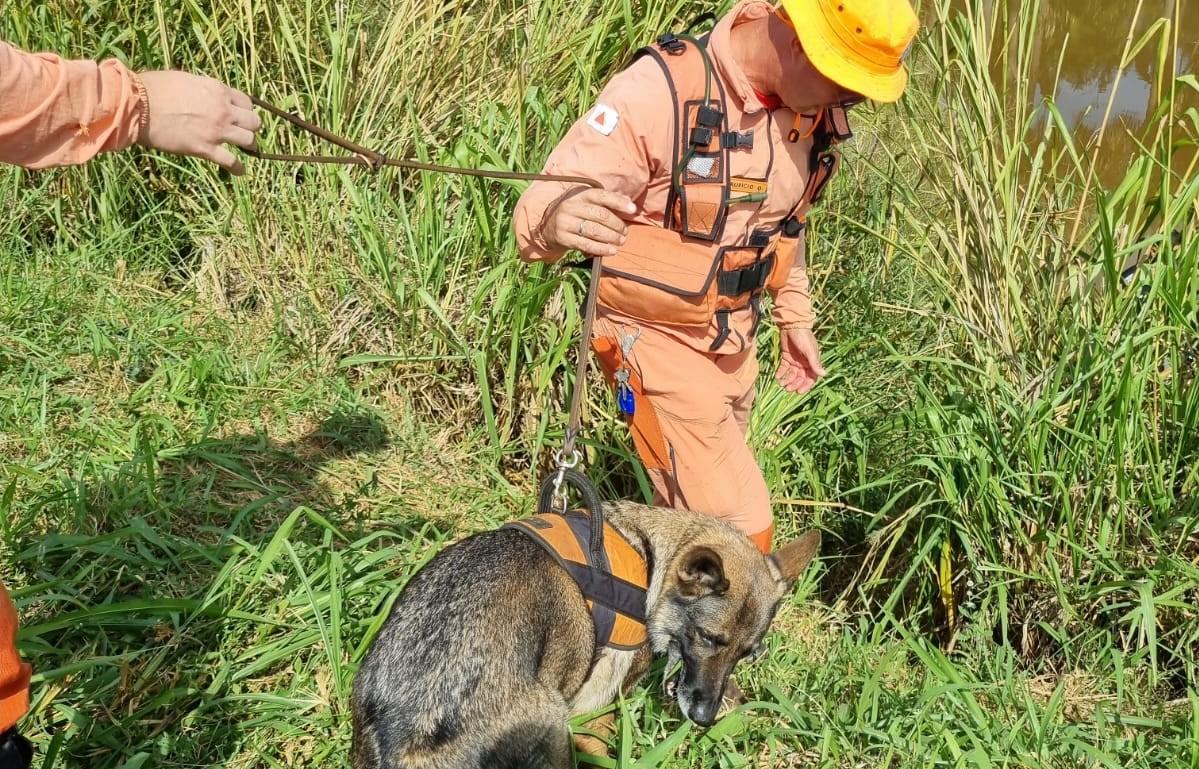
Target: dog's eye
711, 640
754, 653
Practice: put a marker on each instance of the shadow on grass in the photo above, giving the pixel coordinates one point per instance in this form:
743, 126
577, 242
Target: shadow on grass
205, 592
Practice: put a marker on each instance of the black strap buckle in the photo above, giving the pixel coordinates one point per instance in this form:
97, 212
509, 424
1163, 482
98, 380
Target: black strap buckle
701, 137
671, 44
708, 116
792, 226
732, 140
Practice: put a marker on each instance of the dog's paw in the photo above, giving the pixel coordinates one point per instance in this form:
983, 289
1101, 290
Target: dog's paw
594, 746
591, 746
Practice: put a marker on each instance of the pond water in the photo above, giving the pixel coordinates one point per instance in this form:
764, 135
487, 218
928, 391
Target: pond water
1076, 57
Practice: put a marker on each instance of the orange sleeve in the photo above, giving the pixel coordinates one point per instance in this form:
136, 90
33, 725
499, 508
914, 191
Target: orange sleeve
56, 112
14, 674
621, 143
793, 302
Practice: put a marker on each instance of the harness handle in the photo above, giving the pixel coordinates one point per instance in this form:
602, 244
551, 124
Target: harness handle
549, 501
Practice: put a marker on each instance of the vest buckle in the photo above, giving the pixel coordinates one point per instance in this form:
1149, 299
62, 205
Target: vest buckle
671, 44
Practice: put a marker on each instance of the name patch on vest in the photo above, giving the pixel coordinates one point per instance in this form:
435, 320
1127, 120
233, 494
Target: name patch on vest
745, 186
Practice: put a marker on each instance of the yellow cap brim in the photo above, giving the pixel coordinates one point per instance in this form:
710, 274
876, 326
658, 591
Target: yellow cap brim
834, 61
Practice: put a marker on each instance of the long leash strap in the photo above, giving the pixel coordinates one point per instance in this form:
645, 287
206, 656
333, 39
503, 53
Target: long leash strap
576, 396
364, 156
568, 457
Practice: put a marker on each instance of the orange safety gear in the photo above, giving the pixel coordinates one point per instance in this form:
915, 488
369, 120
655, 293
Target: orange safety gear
860, 45
614, 588
764, 540
668, 271
55, 111
692, 408
14, 674
628, 144
682, 294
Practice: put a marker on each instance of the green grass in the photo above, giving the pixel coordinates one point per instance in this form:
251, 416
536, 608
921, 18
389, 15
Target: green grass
236, 415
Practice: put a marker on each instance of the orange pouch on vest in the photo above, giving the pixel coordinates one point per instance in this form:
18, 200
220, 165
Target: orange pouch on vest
660, 277
644, 426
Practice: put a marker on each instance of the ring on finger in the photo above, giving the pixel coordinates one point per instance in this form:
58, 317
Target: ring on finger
579, 229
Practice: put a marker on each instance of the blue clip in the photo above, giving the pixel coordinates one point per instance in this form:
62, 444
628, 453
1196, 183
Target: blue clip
624, 397
624, 393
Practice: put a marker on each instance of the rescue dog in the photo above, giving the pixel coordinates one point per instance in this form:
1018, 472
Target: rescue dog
491, 648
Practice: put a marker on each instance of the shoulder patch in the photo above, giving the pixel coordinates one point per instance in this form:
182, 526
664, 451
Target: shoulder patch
603, 119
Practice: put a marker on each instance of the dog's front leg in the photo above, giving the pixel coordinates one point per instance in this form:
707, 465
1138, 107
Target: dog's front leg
641, 662
605, 725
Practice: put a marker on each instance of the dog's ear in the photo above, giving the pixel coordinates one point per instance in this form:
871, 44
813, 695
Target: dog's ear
701, 572
792, 558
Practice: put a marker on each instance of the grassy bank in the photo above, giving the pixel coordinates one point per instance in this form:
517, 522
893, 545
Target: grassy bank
235, 416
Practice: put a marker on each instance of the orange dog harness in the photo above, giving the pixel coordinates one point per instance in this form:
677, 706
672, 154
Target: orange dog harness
615, 588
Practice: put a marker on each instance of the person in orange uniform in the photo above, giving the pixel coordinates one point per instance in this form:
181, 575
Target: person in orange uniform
57, 112
710, 153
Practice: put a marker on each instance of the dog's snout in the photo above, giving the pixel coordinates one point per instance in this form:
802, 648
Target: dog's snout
703, 711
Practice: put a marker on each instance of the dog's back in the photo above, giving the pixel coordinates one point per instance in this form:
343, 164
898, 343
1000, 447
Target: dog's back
474, 664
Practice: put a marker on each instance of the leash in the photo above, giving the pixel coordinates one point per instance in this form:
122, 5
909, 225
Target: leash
375, 161
568, 456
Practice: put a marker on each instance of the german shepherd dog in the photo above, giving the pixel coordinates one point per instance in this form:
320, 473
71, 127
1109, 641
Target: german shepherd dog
490, 648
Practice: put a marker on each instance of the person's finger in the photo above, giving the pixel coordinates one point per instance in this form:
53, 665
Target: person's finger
787, 374
811, 364
240, 99
586, 245
815, 366
793, 375
586, 228
225, 159
614, 201
246, 118
800, 380
604, 218
800, 383
239, 136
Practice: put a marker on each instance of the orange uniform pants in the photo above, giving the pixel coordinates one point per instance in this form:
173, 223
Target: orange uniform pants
14, 674
689, 423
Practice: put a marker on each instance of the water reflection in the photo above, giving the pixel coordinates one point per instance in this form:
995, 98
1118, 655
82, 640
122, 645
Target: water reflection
1094, 34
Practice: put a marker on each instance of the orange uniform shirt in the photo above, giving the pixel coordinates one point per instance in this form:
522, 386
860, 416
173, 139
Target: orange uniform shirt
57, 112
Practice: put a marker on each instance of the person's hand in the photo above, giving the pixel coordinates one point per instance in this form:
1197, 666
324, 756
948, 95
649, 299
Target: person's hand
196, 115
590, 222
799, 363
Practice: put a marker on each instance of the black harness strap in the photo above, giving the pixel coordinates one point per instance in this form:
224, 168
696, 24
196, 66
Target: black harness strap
755, 302
591, 580
608, 593
722, 324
